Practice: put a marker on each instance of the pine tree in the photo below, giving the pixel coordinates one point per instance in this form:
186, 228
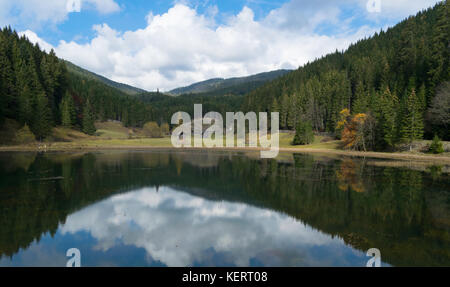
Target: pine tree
422, 98
25, 101
292, 112
440, 46
436, 146
284, 110
388, 117
7, 87
41, 125
412, 121
88, 120
275, 106
360, 103
304, 134
67, 108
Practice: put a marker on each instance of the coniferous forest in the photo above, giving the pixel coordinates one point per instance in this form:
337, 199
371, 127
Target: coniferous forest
37, 90
389, 89
396, 81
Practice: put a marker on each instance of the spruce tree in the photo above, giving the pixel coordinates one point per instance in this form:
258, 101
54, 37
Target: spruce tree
275, 106
411, 128
440, 43
360, 100
284, 110
304, 134
41, 125
67, 108
292, 112
25, 101
88, 120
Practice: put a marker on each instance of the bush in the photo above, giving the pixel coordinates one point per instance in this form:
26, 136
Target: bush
165, 129
304, 134
152, 130
24, 136
436, 146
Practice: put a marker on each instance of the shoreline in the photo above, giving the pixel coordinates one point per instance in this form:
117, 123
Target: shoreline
380, 155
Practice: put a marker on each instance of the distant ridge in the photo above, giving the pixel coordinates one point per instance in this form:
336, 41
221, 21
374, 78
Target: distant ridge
236, 86
127, 89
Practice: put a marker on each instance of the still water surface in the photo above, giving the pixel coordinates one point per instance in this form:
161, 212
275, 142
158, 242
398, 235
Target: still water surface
220, 209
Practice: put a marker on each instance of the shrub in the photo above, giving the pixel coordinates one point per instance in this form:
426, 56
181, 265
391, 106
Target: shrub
165, 129
24, 136
152, 130
436, 146
304, 134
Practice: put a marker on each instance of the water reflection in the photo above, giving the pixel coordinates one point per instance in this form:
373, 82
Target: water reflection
220, 209
178, 229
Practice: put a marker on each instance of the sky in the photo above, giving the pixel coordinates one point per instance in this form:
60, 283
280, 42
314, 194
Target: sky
160, 44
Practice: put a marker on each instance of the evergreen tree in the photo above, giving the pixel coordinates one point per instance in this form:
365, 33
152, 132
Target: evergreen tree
436, 146
360, 100
88, 120
388, 118
411, 128
292, 112
41, 125
67, 108
440, 46
25, 101
6, 81
422, 98
284, 110
275, 106
304, 134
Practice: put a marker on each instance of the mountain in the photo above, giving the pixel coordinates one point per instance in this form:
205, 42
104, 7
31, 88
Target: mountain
127, 89
235, 86
39, 91
396, 82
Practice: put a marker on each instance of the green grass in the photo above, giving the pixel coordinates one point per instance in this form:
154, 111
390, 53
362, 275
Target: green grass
286, 142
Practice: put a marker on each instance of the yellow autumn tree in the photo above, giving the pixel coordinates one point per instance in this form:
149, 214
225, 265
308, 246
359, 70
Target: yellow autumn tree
356, 131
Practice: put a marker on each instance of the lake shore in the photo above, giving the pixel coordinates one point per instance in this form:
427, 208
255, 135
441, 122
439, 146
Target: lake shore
92, 146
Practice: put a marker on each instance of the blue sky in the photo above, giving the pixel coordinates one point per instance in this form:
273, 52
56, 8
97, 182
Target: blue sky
166, 44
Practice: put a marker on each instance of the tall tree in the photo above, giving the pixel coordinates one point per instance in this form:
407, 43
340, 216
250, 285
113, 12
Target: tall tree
88, 120
411, 128
41, 125
284, 111
67, 108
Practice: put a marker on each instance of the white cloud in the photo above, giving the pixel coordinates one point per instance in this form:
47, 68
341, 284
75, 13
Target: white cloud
36, 13
35, 39
178, 229
182, 46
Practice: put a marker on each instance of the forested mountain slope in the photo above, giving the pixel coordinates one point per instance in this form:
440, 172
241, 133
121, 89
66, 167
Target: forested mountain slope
127, 89
233, 86
37, 90
395, 78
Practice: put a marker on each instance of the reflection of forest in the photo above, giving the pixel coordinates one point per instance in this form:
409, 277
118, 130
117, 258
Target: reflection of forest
403, 212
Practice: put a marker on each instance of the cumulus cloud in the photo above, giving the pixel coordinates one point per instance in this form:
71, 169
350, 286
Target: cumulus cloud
36, 13
182, 46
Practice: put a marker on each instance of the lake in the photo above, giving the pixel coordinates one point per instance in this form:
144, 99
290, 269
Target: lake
205, 208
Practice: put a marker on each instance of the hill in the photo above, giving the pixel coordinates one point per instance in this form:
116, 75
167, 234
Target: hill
235, 86
39, 91
396, 82
127, 89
